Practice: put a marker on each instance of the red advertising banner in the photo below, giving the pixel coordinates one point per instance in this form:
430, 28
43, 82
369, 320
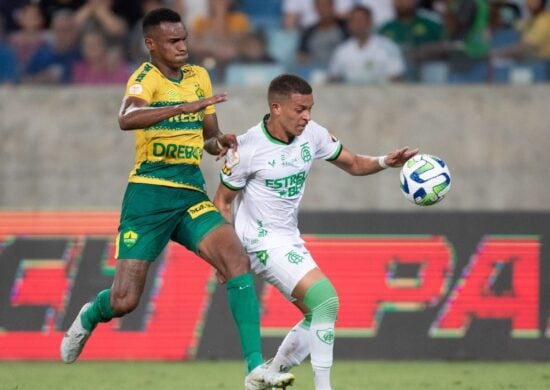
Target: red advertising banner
53, 262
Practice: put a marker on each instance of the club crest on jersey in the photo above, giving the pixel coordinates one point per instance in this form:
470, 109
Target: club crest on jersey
306, 153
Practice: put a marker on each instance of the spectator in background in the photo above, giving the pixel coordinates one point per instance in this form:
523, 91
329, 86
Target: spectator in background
365, 58
51, 7
52, 63
302, 14
100, 64
318, 42
215, 38
535, 35
252, 50
137, 52
411, 29
467, 24
8, 62
30, 35
100, 15
382, 10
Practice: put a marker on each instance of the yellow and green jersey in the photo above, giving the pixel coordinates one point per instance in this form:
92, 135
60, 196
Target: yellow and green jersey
169, 152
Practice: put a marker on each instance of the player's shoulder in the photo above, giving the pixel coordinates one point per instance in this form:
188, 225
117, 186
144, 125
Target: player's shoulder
250, 138
192, 70
314, 129
145, 70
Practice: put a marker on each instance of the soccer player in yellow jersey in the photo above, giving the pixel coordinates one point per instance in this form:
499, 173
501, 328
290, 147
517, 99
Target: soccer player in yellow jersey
170, 106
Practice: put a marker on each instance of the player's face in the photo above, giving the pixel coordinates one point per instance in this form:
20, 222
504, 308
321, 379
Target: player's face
168, 44
295, 113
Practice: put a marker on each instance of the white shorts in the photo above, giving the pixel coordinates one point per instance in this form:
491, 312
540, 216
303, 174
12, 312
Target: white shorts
283, 266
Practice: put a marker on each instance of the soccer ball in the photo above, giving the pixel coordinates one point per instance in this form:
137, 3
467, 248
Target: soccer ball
425, 179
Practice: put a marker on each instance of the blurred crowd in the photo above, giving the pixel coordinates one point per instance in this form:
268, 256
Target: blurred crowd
246, 42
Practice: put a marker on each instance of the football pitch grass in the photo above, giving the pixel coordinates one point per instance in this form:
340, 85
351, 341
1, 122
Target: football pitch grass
347, 375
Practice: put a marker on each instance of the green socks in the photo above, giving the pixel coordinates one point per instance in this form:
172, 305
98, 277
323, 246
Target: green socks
246, 312
99, 311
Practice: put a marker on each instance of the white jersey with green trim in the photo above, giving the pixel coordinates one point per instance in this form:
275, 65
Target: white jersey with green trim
271, 176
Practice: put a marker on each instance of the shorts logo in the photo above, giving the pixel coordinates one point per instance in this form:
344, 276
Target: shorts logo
130, 238
294, 257
262, 256
201, 208
326, 335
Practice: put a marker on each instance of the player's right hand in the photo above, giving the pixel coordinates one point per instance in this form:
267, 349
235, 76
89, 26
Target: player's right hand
187, 108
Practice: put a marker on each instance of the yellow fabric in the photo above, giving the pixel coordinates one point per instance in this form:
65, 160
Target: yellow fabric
169, 152
536, 33
235, 22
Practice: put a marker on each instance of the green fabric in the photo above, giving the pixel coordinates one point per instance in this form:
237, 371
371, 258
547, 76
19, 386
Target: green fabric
246, 312
414, 32
99, 311
306, 322
322, 300
477, 39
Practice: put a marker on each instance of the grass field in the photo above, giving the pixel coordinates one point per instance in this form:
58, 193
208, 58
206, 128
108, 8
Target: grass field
347, 375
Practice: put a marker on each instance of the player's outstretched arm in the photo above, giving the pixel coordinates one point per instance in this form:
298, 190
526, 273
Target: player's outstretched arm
135, 113
361, 165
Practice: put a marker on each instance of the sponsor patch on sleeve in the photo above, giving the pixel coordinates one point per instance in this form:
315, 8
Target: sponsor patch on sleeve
135, 89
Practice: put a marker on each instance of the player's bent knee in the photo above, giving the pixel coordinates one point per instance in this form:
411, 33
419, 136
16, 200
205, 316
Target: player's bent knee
322, 300
122, 304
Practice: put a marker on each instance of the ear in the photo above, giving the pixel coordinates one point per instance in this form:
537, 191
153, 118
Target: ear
275, 108
149, 43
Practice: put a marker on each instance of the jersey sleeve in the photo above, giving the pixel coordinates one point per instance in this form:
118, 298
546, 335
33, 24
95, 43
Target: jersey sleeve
206, 86
234, 171
327, 146
141, 83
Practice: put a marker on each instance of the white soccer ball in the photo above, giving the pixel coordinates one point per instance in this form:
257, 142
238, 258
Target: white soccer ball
425, 179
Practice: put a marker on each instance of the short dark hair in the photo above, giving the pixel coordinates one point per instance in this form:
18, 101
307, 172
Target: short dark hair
287, 84
158, 16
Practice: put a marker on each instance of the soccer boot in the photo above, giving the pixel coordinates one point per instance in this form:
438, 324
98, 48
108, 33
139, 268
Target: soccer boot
261, 378
75, 338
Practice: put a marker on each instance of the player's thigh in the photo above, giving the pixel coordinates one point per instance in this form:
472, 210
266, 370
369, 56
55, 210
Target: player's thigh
223, 250
148, 218
198, 221
283, 267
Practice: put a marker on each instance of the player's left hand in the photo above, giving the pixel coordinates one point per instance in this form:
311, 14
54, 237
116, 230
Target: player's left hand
399, 157
226, 141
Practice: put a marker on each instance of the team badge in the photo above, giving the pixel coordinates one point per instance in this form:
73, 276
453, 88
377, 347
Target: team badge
130, 238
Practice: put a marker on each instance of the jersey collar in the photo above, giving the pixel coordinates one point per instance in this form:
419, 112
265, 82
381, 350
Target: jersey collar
272, 138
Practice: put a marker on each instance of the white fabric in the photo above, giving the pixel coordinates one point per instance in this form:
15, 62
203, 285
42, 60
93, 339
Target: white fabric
271, 176
376, 62
283, 267
307, 14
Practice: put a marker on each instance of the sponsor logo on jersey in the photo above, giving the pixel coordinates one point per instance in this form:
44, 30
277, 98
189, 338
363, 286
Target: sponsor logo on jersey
130, 238
201, 208
288, 186
176, 151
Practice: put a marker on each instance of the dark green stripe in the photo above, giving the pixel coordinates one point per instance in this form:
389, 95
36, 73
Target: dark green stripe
186, 174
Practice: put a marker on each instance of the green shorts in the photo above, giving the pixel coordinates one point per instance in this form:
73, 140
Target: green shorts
151, 215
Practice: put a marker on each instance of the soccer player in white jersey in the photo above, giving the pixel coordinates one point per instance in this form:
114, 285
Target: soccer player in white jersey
266, 179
